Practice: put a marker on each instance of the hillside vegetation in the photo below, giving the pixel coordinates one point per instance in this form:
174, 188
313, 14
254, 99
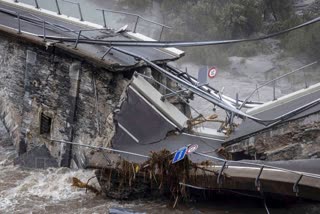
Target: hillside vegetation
196, 20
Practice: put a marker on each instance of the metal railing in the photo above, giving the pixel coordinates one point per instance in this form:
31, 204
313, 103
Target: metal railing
103, 11
273, 81
225, 164
50, 26
36, 4
36, 21
138, 17
84, 30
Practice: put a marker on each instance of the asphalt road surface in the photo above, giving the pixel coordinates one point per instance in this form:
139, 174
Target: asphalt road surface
141, 129
250, 127
118, 59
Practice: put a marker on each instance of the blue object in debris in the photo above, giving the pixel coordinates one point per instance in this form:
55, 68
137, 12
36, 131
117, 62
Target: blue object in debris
180, 154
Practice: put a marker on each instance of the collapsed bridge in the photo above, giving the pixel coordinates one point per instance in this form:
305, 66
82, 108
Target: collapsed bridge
60, 96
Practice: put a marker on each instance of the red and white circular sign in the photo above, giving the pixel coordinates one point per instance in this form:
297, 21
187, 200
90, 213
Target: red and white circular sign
192, 148
212, 72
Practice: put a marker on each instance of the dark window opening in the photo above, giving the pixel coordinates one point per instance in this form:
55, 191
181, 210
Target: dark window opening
45, 124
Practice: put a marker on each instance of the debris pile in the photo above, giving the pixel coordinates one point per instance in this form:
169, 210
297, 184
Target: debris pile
157, 177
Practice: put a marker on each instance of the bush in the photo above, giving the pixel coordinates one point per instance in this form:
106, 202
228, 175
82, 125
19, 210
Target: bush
304, 41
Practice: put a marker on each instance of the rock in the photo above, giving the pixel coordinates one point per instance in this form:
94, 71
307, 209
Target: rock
38, 157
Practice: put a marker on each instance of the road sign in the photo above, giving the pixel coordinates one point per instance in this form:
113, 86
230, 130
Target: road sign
212, 72
192, 148
180, 154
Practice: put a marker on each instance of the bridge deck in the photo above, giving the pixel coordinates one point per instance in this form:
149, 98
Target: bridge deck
142, 129
249, 127
115, 58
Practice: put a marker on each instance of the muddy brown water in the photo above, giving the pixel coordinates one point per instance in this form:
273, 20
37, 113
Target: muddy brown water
51, 191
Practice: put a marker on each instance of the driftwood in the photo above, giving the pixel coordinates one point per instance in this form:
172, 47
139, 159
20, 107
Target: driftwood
77, 183
157, 177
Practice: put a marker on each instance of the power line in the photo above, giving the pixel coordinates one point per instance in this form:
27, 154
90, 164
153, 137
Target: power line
167, 44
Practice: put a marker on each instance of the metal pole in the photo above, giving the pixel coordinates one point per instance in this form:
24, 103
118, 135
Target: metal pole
44, 30
104, 19
274, 90
257, 89
58, 7
109, 49
257, 182
37, 5
237, 99
220, 173
80, 12
163, 97
136, 24
99, 147
161, 33
305, 79
295, 186
79, 34
19, 24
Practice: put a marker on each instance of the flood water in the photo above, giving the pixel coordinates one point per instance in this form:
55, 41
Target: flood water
51, 191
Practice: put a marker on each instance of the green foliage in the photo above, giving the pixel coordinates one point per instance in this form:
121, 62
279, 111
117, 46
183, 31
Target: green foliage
199, 20
241, 18
304, 42
279, 9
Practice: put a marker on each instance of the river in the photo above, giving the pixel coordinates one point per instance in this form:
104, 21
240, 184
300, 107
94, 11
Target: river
51, 191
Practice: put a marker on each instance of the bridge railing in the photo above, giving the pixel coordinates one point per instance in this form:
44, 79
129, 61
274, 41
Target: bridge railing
103, 12
223, 166
138, 17
273, 82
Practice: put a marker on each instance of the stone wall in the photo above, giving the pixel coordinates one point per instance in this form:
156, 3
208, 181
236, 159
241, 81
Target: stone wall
46, 93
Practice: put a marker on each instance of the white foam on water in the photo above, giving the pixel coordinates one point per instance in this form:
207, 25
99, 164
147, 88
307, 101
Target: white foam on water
51, 185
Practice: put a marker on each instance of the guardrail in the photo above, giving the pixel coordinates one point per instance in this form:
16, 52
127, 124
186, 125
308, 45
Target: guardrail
138, 17
36, 20
223, 166
103, 11
273, 81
